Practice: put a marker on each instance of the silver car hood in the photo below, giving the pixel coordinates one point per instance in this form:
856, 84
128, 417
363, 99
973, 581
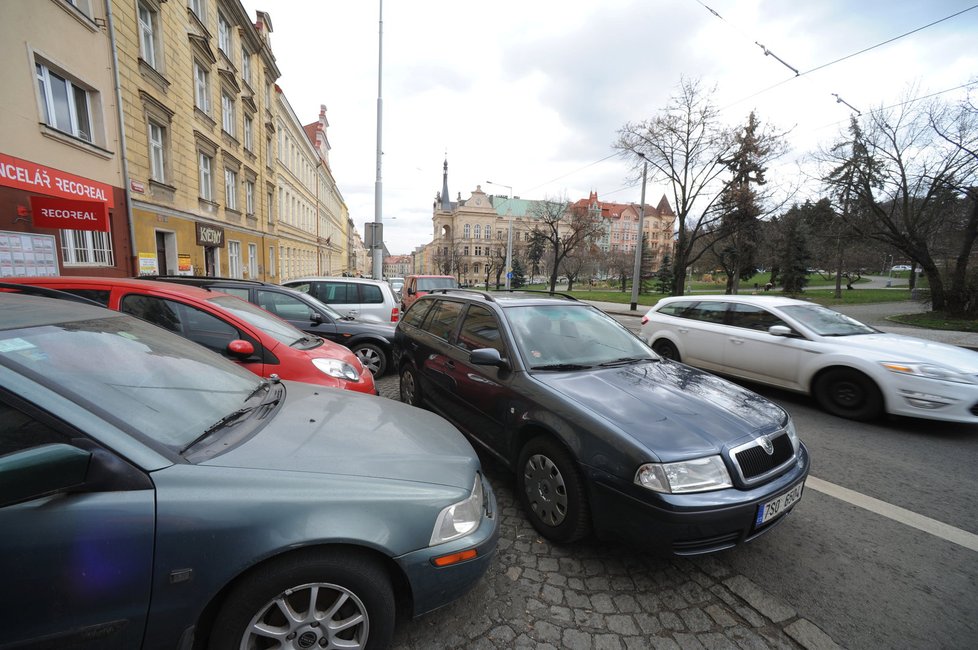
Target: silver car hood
333, 431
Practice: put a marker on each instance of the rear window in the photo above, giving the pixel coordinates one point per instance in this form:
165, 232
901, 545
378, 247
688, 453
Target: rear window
371, 294
430, 284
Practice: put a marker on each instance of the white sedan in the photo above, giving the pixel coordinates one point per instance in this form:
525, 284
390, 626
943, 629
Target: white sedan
852, 370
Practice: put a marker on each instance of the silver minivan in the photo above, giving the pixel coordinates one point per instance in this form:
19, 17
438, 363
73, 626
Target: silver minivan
364, 298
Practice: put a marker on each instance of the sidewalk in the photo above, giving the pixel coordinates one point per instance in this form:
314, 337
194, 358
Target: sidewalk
875, 315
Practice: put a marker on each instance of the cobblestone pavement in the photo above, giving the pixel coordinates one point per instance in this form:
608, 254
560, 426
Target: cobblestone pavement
601, 596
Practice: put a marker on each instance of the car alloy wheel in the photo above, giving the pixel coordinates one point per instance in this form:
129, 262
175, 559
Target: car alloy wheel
372, 358
552, 491
410, 388
309, 601
666, 350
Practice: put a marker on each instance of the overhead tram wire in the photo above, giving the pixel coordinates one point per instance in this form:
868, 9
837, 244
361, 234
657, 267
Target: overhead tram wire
839, 60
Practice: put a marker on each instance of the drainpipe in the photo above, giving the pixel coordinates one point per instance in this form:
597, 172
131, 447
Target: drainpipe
134, 269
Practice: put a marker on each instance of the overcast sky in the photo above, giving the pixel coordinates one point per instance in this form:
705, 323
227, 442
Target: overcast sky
532, 93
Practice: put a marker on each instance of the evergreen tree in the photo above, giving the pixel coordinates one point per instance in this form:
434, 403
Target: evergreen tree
519, 275
795, 257
664, 277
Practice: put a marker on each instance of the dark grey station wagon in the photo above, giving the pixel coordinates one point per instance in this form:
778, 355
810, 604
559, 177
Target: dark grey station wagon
603, 434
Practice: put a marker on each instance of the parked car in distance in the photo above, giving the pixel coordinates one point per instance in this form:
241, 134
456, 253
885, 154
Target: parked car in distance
396, 284
416, 286
372, 342
602, 434
852, 370
234, 328
900, 267
363, 298
156, 495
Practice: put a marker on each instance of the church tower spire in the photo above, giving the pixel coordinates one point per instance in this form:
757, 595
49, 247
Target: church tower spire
446, 202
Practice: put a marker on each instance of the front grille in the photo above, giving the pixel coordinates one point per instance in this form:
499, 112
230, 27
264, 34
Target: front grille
753, 461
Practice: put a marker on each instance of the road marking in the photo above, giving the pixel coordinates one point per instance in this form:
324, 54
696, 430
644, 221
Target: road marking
896, 513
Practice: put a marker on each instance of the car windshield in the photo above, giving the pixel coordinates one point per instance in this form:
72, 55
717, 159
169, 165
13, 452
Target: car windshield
570, 336
266, 322
825, 322
160, 385
430, 284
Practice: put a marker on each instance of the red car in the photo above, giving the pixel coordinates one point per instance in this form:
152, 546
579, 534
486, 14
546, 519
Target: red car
261, 342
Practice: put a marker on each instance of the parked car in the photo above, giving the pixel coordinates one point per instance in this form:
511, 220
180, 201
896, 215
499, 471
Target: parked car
362, 298
416, 286
396, 284
157, 496
372, 342
853, 370
234, 328
900, 267
602, 434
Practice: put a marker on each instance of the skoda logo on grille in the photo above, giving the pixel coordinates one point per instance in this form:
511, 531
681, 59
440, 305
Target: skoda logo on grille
306, 640
765, 443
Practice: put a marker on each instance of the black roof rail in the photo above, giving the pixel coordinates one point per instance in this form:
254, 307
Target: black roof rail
32, 290
544, 291
484, 294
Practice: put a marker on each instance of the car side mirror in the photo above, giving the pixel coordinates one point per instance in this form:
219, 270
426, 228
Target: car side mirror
38, 471
779, 330
241, 349
315, 318
487, 357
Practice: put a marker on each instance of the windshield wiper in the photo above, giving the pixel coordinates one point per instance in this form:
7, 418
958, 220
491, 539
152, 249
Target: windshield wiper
314, 341
231, 417
561, 366
624, 361
263, 385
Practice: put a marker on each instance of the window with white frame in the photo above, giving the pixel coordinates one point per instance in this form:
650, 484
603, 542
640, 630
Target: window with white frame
253, 260
249, 133
269, 204
202, 88
65, 104
249, 197
478, 231
197, 6
86, 248
206, 176
223, 34
467, 230
227, 113
488, 232
230, 189
149, 34
269, 152
246, 65
271, 261
157, 152
234, 258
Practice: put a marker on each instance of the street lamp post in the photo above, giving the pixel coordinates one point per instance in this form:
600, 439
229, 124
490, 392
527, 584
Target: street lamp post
377, 254
509, 236
637, 273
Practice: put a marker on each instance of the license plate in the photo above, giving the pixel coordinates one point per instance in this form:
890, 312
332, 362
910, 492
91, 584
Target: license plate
778, 505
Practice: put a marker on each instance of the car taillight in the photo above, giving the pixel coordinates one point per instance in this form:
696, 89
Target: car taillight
395, 314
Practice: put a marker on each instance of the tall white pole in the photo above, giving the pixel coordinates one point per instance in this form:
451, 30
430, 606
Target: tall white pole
637, 274
378, 244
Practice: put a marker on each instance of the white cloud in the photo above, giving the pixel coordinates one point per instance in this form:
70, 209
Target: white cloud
532, 93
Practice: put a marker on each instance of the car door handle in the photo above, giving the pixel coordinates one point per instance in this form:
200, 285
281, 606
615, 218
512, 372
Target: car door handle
450, 364
683, 330
737, 341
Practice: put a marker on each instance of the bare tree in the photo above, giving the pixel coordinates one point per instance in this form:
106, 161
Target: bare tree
447, 258
685, 147
563, 229
912, 180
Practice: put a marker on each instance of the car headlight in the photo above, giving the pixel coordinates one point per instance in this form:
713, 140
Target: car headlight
792, 434
928, 371
697, 475
459, 519
337, 368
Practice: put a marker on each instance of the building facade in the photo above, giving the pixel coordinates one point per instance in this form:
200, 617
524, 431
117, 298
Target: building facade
197, 78
331, 209
62, 200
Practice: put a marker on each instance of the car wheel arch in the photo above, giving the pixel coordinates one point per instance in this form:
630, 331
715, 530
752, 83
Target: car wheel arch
403, 596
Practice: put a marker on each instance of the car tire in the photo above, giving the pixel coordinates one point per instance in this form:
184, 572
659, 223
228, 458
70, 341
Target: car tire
551, 490
665, 348
410, 388
318, 589
849, 394
372, 357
